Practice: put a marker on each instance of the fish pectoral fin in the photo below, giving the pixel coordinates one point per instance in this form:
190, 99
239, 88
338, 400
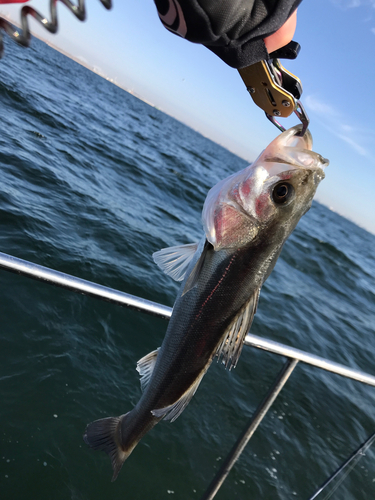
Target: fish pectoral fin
231, 346
195, 273
174, 410
145, 367
174, 261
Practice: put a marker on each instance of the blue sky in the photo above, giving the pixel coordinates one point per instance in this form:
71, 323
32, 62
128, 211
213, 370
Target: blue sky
336, 66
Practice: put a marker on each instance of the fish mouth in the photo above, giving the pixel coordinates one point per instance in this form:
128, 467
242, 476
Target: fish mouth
323, 163
290, 151
290, 138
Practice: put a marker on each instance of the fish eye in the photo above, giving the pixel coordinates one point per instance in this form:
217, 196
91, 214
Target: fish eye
282, 192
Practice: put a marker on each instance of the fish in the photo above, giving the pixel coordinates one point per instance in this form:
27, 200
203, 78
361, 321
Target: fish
247, 218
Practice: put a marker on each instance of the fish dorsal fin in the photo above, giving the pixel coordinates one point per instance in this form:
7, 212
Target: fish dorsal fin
231, 346
195, 273
145, 367
174, 261
174, 410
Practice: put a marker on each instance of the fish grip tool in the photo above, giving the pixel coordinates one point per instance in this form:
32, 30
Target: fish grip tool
23, 39
274, 89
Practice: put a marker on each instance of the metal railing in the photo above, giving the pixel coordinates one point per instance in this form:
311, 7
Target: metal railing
294, 356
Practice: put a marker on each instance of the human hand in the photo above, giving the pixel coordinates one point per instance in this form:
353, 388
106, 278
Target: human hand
283, 35
235, 30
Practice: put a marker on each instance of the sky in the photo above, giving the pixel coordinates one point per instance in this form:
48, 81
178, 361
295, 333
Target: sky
336, 66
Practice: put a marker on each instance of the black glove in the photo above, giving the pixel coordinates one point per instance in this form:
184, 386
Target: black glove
233, 29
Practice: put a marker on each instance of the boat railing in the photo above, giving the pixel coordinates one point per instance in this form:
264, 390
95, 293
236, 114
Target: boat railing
293, 356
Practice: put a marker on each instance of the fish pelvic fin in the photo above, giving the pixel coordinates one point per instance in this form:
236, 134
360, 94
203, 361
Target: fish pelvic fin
173, 411
105, 435
145, 367
231, 346
174, 261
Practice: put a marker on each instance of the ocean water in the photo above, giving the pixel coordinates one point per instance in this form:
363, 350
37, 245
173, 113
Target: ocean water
92, 182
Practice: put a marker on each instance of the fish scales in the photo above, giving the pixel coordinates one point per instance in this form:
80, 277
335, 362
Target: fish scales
247, 219
200, 320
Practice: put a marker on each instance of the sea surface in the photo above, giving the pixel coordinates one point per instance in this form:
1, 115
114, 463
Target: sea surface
92, 182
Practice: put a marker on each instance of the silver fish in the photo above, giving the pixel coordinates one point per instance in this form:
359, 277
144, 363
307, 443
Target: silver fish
247, 219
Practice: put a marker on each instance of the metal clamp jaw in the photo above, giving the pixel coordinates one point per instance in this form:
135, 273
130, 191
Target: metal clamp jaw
274, 89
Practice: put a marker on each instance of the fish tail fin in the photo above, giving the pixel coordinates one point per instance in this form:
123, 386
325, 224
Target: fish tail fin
105, 435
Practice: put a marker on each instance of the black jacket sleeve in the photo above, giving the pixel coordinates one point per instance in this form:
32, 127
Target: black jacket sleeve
232, 29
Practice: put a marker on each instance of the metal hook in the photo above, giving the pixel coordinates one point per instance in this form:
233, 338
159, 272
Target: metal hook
302, 115
275, 122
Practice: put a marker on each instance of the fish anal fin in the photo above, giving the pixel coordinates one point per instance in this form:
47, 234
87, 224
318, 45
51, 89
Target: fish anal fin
195, 273
174, 410
174, 261
231, 346
104, 435
145, 367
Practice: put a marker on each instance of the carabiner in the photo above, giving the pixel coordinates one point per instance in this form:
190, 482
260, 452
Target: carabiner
274, 89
